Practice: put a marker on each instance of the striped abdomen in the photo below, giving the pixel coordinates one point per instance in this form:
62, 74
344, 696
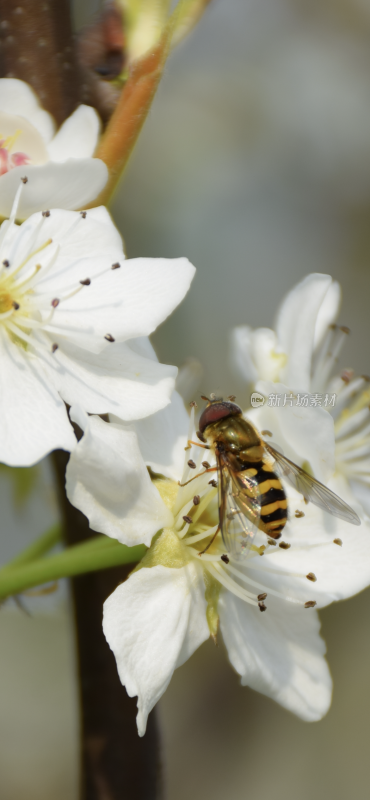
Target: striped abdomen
274, 504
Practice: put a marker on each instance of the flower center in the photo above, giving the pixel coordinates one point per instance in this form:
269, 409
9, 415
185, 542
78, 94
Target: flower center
10, 160
6, 302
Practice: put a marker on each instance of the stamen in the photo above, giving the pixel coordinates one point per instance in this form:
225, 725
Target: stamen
86, 282
109, 337
116, 265
54, 348
192, 464
273, 592
311, 577
45, 213
219, 573
310, 604
338, 541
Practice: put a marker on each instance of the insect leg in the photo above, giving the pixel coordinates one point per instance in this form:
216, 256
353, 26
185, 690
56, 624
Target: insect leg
205, 446
211, 469
211, 542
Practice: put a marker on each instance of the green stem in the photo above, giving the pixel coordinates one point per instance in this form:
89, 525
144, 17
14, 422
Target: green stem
42, 545
96, 554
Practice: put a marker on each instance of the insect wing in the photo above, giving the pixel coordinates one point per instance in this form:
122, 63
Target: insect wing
312, 489
239, 508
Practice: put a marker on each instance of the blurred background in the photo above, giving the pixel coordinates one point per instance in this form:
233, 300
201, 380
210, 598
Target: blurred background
255, 164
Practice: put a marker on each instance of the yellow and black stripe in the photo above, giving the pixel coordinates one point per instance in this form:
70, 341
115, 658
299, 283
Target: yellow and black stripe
273, 498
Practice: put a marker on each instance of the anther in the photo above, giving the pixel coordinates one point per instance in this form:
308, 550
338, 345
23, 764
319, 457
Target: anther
344, 329
298, 514
201, 437
205, 464
46, 213
285, 546
196, 500
24, 180
55, 302
109, 337
193, 404
16, 306
83, 214
338, 541
310, 604
262, 606
213, 483
54, 348
187, 519
266, 433
347, 375
311, 577
262, 596
232, 397
116, 265
272, 542
85, 282
225, 558
6, 263
192, 464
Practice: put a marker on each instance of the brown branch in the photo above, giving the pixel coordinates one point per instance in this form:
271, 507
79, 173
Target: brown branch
37, 46
117, 764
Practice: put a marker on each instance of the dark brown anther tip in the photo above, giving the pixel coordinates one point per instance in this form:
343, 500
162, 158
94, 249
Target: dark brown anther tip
24, 180
187, 519
15, 305
83, 214
196, 499
46, 213
298, 514
205, 464
116, 265
213, 483
54, 348
85, 282
55, 302
284, 545
225, 558
6, 263
310, 604
191, 464
311, 577
338, 541
262, 606
262, 596
109, 337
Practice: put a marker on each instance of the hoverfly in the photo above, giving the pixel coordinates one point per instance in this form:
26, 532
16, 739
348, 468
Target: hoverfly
251, 495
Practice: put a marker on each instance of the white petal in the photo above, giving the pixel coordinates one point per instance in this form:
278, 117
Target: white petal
163, 437
107, 480
70, 185
77, 137
328, 312
34, 420
241, 354
305, 434
152, 623
116, 381
296, 324
17, 97
278, 652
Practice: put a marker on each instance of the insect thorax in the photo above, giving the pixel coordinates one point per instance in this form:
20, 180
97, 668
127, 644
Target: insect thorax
235, 435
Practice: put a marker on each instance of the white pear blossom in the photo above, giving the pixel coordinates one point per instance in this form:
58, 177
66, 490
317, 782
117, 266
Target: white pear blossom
178, 596
60, 165
74, 317
293, 365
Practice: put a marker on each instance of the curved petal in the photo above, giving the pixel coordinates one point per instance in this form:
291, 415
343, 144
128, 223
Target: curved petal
34, 420
152, 622
116, 381
279, 653
77, 137
328, 312
295, 326
17, 97
107, 480
70, 185
241, 354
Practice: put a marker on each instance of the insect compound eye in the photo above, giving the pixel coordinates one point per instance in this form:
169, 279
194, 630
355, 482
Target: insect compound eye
217, 411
